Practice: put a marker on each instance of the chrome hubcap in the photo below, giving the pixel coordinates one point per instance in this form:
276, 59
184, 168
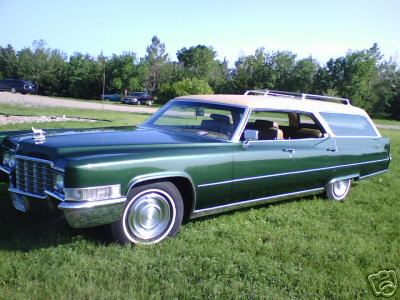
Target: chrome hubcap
340, 187
149, 216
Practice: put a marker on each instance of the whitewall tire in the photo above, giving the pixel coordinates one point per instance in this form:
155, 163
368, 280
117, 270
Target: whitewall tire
152, 213
338, 190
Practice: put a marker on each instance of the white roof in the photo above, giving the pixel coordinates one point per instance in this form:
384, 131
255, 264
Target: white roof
276, 103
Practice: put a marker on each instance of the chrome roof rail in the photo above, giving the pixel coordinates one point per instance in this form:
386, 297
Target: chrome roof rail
257, 92
300, 96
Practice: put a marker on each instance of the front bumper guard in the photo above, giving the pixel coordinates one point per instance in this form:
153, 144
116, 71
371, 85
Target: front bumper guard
92, 213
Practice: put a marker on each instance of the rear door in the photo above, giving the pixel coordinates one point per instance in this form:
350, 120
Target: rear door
315, 153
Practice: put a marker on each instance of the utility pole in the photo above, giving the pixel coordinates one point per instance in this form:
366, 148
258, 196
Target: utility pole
104, 80
104, 77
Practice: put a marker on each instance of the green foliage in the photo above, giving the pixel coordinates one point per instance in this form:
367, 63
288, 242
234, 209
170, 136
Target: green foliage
362, 76
85, 76
200, 62
125, 72
186, 86
8, 62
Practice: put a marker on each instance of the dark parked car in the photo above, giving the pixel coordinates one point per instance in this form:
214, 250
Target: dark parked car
111, 97
138, 98
17, 86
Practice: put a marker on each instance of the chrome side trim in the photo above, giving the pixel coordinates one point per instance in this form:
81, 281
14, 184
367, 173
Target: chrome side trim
244, 179
35, 159
55, 195
290, 173
372, 174
5, 170
16, 191
90, 204
227, 207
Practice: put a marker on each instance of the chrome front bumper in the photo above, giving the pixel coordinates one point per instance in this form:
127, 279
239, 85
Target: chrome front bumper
91, 214
78, 214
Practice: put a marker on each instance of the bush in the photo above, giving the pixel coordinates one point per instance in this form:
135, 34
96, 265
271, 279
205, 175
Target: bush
186, 86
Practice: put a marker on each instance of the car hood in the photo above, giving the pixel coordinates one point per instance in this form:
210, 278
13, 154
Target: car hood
102, 141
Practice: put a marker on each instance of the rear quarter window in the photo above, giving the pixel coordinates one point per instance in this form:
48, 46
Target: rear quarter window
349, 125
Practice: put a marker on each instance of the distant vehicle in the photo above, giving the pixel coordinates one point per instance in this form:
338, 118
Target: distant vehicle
17, 86
138, 98
111, 97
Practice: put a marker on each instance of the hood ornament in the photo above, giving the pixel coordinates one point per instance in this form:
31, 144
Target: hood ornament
38, 136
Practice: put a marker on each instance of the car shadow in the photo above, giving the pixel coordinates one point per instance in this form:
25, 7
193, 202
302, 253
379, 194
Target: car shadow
29, 231
35, 230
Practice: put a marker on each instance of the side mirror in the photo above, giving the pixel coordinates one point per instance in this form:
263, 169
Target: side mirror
199, 112
251, 135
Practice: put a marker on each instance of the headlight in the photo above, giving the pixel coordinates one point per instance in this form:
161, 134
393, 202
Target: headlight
59, 182
93, 193
9, 159
6, 158
11, 163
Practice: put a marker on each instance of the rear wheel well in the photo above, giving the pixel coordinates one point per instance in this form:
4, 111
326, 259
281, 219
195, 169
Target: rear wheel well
184, 186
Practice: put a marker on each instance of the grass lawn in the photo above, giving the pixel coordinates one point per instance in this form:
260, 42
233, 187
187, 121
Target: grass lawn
304, 249
386, 122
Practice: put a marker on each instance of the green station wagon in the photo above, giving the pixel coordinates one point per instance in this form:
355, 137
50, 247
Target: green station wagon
198, 155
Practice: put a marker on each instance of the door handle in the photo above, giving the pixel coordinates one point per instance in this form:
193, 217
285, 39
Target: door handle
332, 149
288, 150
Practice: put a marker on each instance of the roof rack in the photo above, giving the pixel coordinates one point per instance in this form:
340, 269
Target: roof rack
301, 96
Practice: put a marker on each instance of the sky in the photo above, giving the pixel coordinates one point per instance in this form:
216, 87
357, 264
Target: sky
323, 29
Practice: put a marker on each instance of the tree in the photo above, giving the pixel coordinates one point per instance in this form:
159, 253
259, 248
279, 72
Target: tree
251, 72
85, 76
281, 65
124, 72
303, 75
200, 62
155, 58
353, 76
8, 62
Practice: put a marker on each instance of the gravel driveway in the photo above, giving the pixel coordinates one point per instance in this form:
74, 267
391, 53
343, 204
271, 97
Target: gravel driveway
33, 100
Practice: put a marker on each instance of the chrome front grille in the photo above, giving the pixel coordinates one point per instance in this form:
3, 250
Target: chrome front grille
33, 177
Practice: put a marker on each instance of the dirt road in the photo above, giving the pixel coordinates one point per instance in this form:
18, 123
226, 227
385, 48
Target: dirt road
33, 100
37, 101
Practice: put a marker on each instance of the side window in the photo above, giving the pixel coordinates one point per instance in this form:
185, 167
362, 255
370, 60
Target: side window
272, 125
268, 124
348, 125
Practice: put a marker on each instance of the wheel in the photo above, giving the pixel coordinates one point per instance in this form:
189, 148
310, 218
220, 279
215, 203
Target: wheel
338, 190
13, 90
152, 213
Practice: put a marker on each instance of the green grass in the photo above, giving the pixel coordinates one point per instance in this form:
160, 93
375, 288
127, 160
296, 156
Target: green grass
386, 122
304, 249
107, 118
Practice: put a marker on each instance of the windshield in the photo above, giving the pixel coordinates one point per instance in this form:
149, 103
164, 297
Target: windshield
212, 120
